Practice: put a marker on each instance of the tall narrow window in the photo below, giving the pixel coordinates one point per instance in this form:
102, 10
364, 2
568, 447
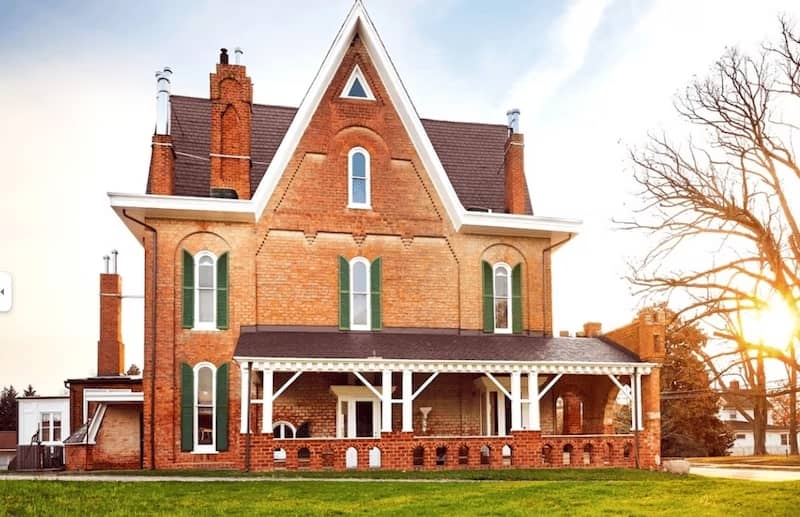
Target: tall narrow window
204, 407
502, 298
359, 294
358, 178
205, 317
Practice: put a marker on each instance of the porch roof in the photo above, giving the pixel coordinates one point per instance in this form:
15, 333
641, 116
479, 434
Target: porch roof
427, 346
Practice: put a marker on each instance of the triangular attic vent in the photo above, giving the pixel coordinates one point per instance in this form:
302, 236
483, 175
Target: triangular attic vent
356, 87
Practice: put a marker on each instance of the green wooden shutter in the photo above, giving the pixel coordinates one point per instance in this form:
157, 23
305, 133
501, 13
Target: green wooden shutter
516, 299
375, 294
222, 407
344, 294
188, 290
187, 407
488, 298
222, 291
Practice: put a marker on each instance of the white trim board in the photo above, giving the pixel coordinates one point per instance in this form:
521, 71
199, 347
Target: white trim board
356, 22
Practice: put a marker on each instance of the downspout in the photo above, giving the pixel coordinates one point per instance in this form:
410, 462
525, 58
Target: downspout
548, 281
635, 416
153, 332
247, 419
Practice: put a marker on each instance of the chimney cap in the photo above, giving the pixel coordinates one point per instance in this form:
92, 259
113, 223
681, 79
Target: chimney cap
237, 55
513, 119
223, 56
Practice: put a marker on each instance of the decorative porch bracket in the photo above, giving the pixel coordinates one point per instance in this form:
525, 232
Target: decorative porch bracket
549, 386
634, 396
286, 385
497, 383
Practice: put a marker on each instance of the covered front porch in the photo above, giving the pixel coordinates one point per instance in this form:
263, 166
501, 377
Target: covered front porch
377, 412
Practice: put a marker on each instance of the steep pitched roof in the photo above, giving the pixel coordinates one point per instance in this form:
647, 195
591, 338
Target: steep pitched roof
472, 153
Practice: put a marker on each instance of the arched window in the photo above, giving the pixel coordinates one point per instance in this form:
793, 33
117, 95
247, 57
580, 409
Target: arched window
205, 290
205, 389
360, 311
283, 430
502, 298
358, 172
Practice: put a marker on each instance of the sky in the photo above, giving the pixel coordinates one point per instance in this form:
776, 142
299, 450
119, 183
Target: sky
77, 98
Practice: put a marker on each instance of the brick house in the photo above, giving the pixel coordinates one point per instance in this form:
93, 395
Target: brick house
347, 285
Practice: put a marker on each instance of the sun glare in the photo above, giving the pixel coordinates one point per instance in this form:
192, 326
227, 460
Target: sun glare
773, 325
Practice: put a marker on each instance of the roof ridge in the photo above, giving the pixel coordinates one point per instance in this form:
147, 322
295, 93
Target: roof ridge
464, 122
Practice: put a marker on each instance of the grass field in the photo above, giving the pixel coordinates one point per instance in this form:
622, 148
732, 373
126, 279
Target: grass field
630, 493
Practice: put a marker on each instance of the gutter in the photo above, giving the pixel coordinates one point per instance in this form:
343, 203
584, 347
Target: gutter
154, 334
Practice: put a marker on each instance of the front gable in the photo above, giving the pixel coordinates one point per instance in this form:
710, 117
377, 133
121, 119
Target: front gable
400, 194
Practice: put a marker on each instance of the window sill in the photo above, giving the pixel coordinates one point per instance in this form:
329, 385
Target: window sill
357, 206
204, 329
204, 451
502, 331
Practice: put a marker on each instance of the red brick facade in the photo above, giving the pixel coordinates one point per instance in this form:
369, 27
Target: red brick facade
283, 272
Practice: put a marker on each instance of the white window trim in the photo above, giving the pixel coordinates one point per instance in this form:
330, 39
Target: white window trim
212, 448
357, 74
287, 424
507, 268
356, 394
198, 325
367, 179
353, 325
51, 427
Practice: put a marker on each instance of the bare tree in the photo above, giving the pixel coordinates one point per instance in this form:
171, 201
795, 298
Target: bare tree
722, 209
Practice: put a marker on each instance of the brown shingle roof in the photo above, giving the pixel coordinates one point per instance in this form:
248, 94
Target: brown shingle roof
472, 154
427, 346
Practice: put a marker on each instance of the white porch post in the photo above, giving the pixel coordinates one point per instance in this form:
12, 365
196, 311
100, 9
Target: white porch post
534, 422
516, 401
488, 415
386, 402
408, 415
634, 403
266, 417
245, 373
639, 400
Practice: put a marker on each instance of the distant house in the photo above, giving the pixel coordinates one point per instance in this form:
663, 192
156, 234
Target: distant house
734, 405
8, 448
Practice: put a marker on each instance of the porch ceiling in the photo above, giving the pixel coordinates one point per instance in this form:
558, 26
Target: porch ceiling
429, 347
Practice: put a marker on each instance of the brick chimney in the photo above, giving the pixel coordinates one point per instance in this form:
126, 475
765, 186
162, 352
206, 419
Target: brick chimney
162, 158
644, 336
231, 113
110, 350
592, 328
515, 166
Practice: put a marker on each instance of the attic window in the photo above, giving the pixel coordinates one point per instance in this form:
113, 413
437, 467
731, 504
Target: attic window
356, 87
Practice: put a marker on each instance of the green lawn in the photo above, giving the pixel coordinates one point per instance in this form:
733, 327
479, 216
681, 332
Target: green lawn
647, 494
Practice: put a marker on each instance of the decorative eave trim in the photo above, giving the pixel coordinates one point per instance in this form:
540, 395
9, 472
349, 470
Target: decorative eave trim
357, 21
379, 364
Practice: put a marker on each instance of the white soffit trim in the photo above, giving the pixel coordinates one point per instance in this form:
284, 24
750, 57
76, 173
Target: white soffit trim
357, 21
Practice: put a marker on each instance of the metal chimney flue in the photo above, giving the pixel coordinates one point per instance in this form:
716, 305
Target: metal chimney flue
114, 254
106, 258
237, 56
163, 82
513, 120
223, 56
